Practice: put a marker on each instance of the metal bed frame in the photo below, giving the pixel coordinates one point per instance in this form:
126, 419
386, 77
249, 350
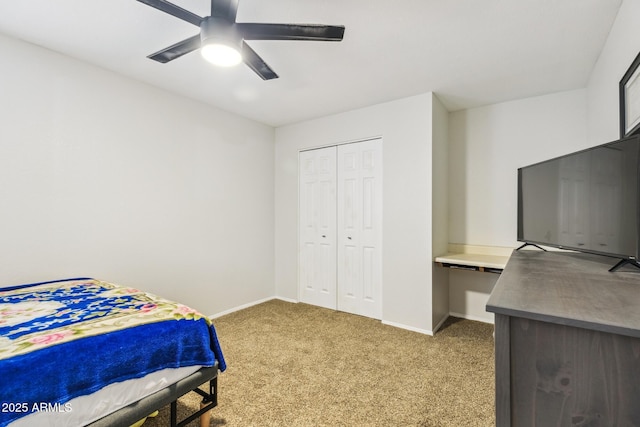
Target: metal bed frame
168, 395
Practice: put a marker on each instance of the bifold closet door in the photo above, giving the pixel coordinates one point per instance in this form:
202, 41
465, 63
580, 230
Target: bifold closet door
340, 228
359, 223
317, 227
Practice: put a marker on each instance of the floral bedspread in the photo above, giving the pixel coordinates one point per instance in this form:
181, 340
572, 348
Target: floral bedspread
63, 339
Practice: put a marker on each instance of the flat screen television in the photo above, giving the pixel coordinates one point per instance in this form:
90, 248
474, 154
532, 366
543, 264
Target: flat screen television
587, 201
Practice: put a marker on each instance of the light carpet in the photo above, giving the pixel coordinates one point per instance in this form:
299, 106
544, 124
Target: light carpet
300, 365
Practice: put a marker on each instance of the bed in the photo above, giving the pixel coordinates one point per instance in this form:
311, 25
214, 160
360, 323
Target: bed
87, 352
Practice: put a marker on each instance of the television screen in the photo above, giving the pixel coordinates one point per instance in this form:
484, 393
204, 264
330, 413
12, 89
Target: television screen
586, 201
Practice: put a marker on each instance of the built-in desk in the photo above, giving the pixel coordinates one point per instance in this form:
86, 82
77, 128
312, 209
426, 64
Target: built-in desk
567, 337
478, 258
478, 262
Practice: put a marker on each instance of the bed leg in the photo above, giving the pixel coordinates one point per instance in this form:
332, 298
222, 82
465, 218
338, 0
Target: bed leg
205, 419
213, 391
174, 413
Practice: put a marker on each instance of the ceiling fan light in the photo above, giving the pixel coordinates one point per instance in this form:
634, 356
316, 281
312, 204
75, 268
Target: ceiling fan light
221, 54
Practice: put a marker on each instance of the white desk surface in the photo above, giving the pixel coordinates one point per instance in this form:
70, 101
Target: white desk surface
475, 260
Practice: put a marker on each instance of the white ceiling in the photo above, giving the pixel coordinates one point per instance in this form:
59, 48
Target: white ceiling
469, 52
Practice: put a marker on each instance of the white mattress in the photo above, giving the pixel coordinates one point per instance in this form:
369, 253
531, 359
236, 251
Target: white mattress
86, 409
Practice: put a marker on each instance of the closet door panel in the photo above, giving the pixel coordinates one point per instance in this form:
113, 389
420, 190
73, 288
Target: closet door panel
317, 227
359, 228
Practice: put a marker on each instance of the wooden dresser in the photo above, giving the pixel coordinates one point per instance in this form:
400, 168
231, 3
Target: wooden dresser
567, 337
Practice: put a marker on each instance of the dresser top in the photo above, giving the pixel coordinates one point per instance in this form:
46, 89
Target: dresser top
573, 289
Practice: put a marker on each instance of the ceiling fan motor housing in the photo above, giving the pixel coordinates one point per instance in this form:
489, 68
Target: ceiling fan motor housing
214, 29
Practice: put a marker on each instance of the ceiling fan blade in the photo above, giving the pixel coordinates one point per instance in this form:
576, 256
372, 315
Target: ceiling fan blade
255, 31
174, 10
177, 50
253, 60
227, 9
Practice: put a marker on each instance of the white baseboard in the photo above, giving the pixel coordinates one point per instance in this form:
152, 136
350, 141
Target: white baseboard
251, 304
440, 323
471, 317
409, 328
291, 300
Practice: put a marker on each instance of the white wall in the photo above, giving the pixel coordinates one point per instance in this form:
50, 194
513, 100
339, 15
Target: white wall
405, 127
106, 177
621, 48
489, 143
469, 292
487, 146
440, 210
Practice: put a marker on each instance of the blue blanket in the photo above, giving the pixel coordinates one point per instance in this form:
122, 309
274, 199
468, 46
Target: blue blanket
64, 339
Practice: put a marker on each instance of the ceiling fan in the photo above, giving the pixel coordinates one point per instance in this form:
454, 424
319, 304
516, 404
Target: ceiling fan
223, 40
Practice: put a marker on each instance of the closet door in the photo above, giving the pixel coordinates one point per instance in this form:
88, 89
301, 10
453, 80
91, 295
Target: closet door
317, 227
360, 228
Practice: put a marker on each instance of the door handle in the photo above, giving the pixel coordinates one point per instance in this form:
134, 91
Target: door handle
349, 237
